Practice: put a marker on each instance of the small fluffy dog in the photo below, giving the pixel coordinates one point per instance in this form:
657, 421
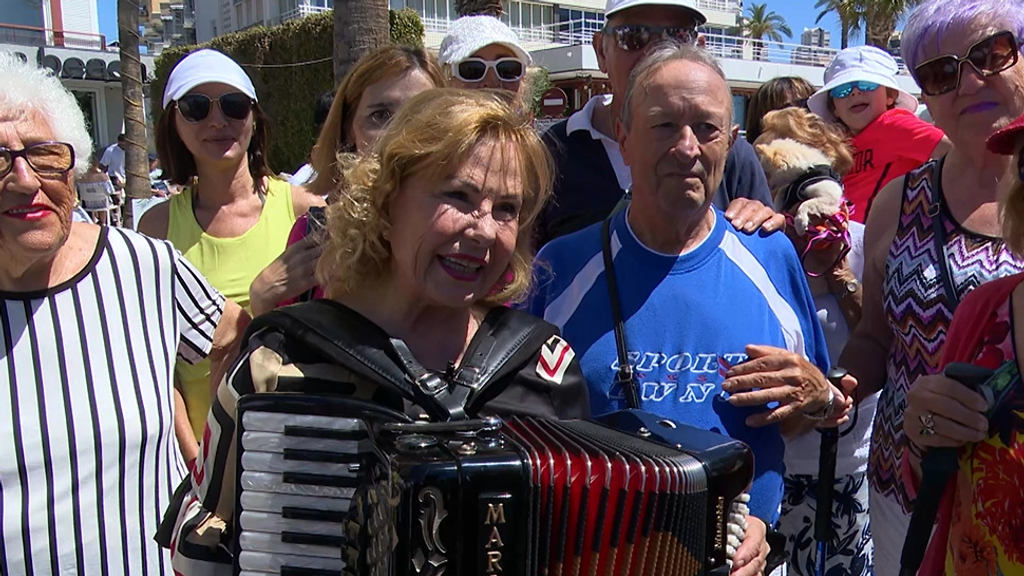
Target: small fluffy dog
800, 174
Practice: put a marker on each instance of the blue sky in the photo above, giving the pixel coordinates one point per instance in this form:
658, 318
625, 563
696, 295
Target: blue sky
798, 13
108, 18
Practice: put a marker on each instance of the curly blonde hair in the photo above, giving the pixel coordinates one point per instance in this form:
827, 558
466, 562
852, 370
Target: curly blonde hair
808, 128
1011, 207
429, 140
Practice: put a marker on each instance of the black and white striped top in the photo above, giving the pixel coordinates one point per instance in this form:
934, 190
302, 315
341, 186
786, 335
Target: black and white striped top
88, 456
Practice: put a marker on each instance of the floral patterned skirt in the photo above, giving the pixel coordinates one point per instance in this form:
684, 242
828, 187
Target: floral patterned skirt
850, 553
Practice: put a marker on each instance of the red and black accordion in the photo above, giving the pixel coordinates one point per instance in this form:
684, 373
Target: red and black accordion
336, 486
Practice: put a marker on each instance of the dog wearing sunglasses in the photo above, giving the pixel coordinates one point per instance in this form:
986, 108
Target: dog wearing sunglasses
802, 182
804, 159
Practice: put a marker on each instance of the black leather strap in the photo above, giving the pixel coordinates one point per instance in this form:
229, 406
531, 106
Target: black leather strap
625, 377
335, 331
331, 330
449, 395
939, 237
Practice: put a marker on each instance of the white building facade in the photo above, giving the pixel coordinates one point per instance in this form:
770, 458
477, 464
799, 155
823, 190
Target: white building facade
558, 34
63, 36
216, 17
167, 23
541, 24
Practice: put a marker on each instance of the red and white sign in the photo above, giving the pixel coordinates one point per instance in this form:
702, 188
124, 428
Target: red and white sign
553, 102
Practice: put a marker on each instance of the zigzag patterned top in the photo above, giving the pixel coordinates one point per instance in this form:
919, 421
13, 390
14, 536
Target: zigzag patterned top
918, 311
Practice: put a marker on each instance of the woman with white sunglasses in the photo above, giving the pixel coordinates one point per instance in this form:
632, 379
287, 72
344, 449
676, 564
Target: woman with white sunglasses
482, 52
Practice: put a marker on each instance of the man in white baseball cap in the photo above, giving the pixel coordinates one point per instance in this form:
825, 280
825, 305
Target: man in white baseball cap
591, 174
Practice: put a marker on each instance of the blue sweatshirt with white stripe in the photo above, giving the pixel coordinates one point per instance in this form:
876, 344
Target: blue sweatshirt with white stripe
688, 318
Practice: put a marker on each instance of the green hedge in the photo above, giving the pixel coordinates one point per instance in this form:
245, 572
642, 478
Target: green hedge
406, 27
539, 82
287, 94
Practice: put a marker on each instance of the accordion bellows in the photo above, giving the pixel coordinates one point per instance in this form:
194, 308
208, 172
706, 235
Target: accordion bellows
332, 486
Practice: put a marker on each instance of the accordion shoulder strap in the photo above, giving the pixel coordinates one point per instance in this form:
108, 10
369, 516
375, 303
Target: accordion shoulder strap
502, 343
349, 339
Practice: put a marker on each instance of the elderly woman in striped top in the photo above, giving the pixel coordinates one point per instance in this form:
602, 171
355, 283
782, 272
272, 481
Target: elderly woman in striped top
91, 320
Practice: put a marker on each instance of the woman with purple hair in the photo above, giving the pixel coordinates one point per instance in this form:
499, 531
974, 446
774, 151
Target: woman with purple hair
933, 235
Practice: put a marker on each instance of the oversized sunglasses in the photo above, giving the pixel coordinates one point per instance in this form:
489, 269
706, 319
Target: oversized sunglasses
507, 69
635, 37
196, 107
988, 57
46, 158
844, 90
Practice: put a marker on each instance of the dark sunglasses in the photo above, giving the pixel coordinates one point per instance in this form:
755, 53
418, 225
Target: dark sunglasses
634, 37
988, 57
801, 103
47, 158
474, 69
196, 107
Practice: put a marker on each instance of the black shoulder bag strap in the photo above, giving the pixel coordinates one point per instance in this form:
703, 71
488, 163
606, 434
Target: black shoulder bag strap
625, 377
939, 236
878, 188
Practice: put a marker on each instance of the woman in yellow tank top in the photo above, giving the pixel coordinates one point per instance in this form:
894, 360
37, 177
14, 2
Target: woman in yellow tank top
233, 217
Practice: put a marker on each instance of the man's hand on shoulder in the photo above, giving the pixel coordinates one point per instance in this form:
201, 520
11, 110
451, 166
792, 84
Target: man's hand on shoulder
777, 375
747, 215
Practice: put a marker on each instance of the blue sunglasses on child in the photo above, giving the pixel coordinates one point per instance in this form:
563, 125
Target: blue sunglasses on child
844, 90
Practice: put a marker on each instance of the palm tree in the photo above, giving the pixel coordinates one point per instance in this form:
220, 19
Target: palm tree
136, 159
760, 24
478, 8
881, 17
360, 27
850, 14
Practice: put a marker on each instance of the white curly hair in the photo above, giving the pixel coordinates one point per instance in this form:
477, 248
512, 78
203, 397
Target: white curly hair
26, 87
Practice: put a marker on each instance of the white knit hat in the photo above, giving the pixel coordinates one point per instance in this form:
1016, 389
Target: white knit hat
860, 63
470, 33
206, 67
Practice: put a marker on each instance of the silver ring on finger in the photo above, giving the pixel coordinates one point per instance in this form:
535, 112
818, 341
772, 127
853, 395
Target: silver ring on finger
927, 424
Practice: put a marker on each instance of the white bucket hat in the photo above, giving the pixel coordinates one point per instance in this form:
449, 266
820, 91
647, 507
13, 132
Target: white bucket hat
470, 33
613, 6
860, 63
206, 67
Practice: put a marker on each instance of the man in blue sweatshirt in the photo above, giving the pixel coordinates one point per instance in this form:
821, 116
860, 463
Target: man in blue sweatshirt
720, 329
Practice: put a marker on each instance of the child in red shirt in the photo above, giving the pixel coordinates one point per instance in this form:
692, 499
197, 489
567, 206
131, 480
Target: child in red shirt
889, 140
